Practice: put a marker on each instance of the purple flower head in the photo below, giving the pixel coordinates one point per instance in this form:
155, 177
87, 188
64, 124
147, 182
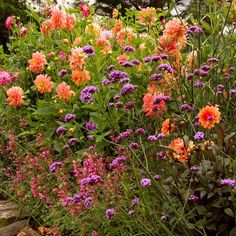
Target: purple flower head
134, 145
90, 89
54, 165
164, 218
199, 136
193, 169
231, 68
200, 72
68, 117
110, 213
147, 59
116, 97
77, 198
95, 179
145, 182
90, 126
160, 135
220, 86
60, 130
193, 198
228, 182
198, 84
90, 138
129, 49
119, 104
105, 82
127, 88
88, 50
116, 75
189, 76
73, 140
155, 77
157, 177
84, 182
186, 107
160, 98
206, 67
194, 29
213, 60
110, 68
232, 91
161, 155
86, 97
62, 72
140, 131
136, 61
88, 202
126, 64
156, 58
152, 138
135, 201
131, 212
166, 67
123, 135
196, 124
129, 106
124, 80
118, 162
5, 78
163, 56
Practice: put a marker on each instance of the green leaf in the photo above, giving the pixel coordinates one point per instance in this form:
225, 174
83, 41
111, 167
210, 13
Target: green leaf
45, 111
201, 210
229, 212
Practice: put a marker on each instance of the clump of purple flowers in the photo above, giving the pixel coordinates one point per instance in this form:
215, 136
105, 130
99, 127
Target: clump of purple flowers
127, 88
117, 162
193, 198
60, 130
166, 67
110, 213
145, 182
228, 182
199, 136
194, 29
54, 165
123, 135
93, 179
88, 50
116, 75
129, 48
62, 73
86, 94
90, 126
68, 117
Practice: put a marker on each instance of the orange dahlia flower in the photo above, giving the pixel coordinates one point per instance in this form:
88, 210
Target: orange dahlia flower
79, 77
64, 92
70, 21
37, 62
167, 127
76, 59
47, 27
43, 83
15, 96
175, 28
58, 18
209, 116
147, 16
150, 109
181, 152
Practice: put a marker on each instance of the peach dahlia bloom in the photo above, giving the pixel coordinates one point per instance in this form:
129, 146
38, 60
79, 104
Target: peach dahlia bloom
181, 152
43, 83
167, 127
37, 62
80, 77
147, 16
64, 92
175, 28
209, 116
76, 58
15, 96
58, 18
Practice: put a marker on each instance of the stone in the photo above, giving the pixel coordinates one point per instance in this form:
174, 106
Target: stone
9, 212
27, 231
13, 229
